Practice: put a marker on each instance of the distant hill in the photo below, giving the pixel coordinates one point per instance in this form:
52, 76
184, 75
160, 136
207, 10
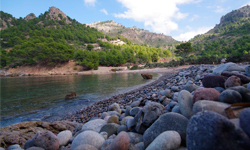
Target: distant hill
231, 37
134, 34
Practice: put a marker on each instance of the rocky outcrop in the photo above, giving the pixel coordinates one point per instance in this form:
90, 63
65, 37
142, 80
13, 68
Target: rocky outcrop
57, 14
30, 16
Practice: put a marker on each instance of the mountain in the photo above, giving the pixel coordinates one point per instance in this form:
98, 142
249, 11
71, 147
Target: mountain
231, 37
53, 38
134, 34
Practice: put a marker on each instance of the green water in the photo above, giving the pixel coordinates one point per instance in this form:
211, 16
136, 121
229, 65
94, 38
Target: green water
23, 96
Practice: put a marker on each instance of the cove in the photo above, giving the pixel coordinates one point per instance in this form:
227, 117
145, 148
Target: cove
33, 98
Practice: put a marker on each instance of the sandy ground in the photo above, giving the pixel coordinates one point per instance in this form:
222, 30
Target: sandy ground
70, 68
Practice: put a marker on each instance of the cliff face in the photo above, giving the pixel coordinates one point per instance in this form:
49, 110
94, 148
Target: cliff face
56, 14
134, 34
30, 16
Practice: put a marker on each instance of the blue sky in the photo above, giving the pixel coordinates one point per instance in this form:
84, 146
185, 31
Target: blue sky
181, 19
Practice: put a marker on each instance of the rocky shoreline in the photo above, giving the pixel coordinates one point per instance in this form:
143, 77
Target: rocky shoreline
183, 110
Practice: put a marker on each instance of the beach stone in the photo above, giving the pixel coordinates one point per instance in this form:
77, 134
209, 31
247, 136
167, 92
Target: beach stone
228, 67
175, 88
104, 135
209, 130
245, 93
15, 147
149, 113
190, 87
88, 137
185, 102
244, 121
166, 122
166, 140
248, 86
140, 146
123, 122
94, 125
230, 97
132, 147
85, 147
115, 107
217, 107
113, 119
110, 128
127, 112
114, 113
244, 79
121, 142
104, 114
135, 137
212, 81
146, 76
44, 139
64, 137
166, 92
176, 109
134, 111
232, 81
35, 148
206, 94
2, 148
122, 128
135, 104
236, 122
219, 89
247, 70
106, 144
106, 118
130, 123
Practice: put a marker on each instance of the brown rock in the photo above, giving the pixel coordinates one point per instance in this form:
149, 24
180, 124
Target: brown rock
121, 142
44, 139
213, 81
244, 79
21, 132
146, 76
71, 95
232, 81
113, 119
206, 94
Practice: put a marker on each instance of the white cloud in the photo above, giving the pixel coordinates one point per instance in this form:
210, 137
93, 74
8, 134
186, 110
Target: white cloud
157, 15
248, 3
219, 9
194, 17
104, 11
190, 34
89, 2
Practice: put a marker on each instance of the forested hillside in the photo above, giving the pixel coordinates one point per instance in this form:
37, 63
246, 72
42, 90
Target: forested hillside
229, 38
53, 38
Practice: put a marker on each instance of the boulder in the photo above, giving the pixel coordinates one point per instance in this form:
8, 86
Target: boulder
94, 125
106, 144
206, 94
185, 101
130, 123
166, 92
219, 89
190, 87
85, 147
123, 122
104, 114
45, 139
232, 81
150, 112
166, 122
15, 147
71, 95
115, 107
245, 93
175, 88
176, 109
248, 86
230, 97
218, 107
88, 137
127, 112
113, 119
110, 128
122, 128
20, 132
146, 76
121, 142
244, 79
244, 121
166, 140
212, 81
209, 130
228, 67
64, 137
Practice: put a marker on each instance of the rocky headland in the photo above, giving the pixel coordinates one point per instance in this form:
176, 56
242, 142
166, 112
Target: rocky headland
203, 107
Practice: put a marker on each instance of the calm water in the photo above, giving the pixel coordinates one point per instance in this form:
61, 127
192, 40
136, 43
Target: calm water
32, 98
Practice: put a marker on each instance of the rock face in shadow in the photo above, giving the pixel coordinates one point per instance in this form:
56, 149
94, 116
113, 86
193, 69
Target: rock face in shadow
146, 76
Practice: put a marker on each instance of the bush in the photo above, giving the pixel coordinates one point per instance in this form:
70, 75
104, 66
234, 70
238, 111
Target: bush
135, 67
